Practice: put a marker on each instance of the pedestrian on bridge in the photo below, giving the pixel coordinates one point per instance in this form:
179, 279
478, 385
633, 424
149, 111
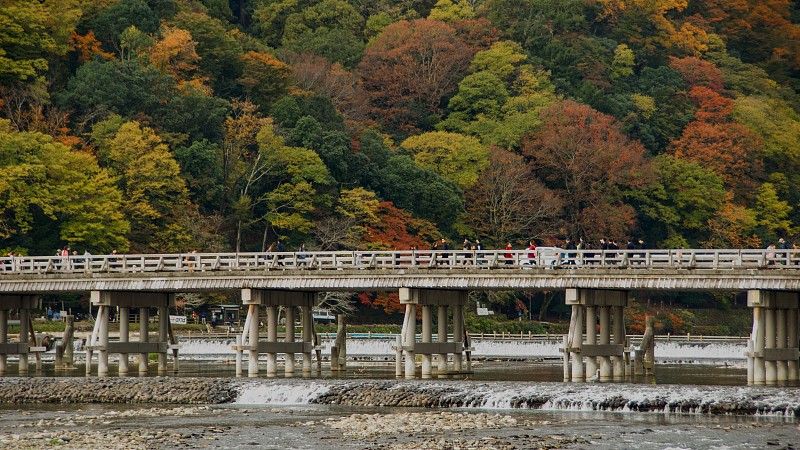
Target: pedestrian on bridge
569, 245
531, 253
301, 257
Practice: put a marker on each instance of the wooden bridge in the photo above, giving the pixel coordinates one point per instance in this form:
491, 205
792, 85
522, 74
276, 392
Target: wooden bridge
597, 284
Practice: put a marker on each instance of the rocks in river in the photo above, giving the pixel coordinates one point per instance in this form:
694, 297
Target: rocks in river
398, 395
117, 390
109, 430
446, 430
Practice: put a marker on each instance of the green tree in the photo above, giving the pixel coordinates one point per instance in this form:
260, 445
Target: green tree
680, 201
483, 107
220, 53
777, 124
109, 24
131, 89
201, 167
623, 62
329, 28
48, 185
479, 94
502, 59
295, 174
422, 191
25, 42
452, 11
772, 214
532, 23
122, 87
133, 43
333, 146
156, 196
454, 156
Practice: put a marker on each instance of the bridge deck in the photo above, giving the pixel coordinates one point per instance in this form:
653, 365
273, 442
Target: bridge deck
547, 268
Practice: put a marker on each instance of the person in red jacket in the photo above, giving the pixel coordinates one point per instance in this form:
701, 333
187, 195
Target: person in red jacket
531, 252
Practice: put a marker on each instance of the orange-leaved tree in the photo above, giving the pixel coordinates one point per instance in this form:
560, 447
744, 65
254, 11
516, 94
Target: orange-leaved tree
409, 68
584, 156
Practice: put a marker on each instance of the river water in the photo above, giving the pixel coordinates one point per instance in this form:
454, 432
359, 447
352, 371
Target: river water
515, 399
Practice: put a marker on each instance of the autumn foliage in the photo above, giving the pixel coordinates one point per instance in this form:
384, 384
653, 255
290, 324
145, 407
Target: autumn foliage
410, 67
212, 125
587, 160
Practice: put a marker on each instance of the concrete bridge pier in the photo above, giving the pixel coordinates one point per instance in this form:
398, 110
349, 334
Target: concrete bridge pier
772, 355
597, 307
427, 299
409, 339
605, 339
99, 340
124, 337
441, 337
792, 325
289, 338
163, 336
590, 340
307, 319
144, 338
426, 337
618, 338
574, 344
24, 304
3, 339
271, 300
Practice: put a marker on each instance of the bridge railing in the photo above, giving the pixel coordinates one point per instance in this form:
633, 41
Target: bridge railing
543, 257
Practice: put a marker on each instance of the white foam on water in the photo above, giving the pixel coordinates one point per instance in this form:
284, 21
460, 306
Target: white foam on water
280, 394
198, 347
624, 398
486, 348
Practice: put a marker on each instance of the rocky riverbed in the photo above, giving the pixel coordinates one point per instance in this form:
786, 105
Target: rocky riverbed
167, 413
117, 390
417, 394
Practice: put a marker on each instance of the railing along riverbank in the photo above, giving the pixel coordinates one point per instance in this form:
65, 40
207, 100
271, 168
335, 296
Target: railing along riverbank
547, 257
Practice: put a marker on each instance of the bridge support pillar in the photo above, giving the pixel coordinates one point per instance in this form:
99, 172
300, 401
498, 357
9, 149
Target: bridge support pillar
605, 339
427, 299
144, 338
124, 337
588, 305
441, 337
792, 324
427, 333
3, 339
618, 338
772, 355
288, 365
99, 340
591, 340
26, 344
271, 300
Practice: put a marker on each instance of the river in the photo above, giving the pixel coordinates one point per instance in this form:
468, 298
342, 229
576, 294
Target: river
515, 399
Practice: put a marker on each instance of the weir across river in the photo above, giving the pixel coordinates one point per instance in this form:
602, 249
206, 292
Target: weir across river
597, 285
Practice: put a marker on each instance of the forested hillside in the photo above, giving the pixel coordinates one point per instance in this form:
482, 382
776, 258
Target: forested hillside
215, 125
